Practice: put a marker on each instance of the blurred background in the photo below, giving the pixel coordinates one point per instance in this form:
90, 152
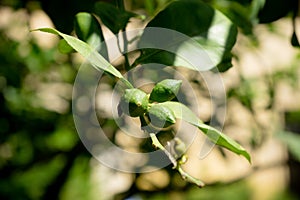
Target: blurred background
42, 157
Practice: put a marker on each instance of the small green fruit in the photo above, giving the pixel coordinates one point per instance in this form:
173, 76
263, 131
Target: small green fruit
165, 90
134, 102
161, 116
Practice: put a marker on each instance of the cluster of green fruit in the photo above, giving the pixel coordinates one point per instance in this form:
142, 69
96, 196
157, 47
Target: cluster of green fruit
136, 103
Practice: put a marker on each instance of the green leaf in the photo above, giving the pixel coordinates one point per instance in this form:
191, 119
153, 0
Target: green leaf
64, 47
237, 13
88, 29
96, 59
256, 6
213, 32
161, 116
217, 137
112, 17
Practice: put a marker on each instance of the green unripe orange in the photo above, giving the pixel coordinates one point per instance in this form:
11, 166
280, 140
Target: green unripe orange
165, 90
134, 102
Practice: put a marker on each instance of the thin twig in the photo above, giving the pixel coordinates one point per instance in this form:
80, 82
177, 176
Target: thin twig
189, 178
157, 144
177, 164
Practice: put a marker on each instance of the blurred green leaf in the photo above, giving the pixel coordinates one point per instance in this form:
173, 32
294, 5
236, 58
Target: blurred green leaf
36, 179
292, 140
149, 6
79, 185
214, 33
62, 139
88, 29
256, 6
183, 112
112, 17
234, 191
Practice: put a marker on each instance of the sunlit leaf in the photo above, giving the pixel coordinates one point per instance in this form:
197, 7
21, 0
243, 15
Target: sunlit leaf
86, 51
213, 32
238, 13
183, 112
64, 47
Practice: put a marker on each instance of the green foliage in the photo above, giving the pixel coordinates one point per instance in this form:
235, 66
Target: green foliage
88, 29
41, 156
216, 36
214, 33
237, 12
183, 112
161, 116
64, 47
96, 59
78, 186
36, 142
115, 19
235, 191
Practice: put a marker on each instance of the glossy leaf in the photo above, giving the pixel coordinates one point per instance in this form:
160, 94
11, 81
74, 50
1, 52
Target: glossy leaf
217, 137
214, 33
161, 116
112, 17
237, 13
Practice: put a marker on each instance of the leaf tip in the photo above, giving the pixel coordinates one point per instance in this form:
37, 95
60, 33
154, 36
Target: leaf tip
247, 156
46, 30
